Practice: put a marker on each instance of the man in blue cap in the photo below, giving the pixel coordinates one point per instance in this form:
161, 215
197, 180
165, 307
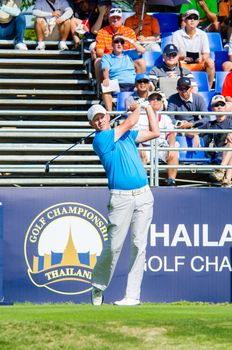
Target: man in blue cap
142, 84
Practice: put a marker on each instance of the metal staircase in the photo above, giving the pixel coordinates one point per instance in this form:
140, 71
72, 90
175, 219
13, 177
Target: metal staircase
44, 97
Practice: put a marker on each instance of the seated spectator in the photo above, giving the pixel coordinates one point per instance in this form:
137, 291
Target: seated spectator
187, 101
119, 65
170, 68
88, 19
224, 17
193, 46
104, 41
12, 23
166, 139
208, 11
147, 30
52, 22
228, 64
227, 91
142, 87
218, 104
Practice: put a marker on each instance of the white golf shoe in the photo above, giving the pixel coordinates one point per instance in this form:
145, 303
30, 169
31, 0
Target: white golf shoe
97, 297
127, 302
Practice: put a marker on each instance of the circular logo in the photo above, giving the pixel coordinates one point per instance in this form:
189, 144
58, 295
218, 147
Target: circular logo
62, 246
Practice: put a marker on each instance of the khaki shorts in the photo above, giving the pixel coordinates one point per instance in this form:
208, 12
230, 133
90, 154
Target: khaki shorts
51, 30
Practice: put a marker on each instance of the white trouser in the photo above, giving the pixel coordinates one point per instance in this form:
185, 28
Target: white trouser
126, 208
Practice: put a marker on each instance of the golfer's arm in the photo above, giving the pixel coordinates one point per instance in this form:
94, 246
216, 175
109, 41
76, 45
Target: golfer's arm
127, 124
153, 132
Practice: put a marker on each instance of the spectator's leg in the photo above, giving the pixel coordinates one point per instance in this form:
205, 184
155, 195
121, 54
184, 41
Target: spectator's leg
172, 159
97, 69
210, 69
74, 23
20, 26
107, 99
7, 31
40, 26
140, 65
227, 65
65, 30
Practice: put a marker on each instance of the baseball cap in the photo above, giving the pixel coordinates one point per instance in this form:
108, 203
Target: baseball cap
169, 49
142, 76
184, 81
160, 93
191, 12
217, 98
115, 11
95, 109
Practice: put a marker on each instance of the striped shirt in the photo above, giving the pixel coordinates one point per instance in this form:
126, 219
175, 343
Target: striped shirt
104, 38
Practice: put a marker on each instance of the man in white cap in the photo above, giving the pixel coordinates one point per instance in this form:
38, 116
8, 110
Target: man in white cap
131, 200
218, 104
193, 46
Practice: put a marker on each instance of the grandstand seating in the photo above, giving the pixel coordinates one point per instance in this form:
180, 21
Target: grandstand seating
219, 79
215, 41
219, 58
207, 95
202, 80
168, 21
191, 156
121, 97
152, 58
165, 40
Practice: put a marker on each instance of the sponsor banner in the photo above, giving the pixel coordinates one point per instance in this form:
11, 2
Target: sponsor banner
53, 238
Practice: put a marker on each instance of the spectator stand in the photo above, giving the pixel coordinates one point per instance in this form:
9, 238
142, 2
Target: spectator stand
219, 80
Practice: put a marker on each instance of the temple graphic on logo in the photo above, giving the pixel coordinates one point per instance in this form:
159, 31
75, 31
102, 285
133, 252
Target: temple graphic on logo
70, 257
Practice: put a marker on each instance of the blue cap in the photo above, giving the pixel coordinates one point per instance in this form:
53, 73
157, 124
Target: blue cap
142, 76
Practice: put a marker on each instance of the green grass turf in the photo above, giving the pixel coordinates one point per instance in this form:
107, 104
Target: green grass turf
182, 326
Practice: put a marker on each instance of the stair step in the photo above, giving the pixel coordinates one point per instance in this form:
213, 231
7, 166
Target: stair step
44, 81
45, 92
42, 71
45, 53
50, 62
46, 102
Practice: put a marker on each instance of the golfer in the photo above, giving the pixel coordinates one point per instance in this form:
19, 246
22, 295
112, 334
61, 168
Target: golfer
131, 200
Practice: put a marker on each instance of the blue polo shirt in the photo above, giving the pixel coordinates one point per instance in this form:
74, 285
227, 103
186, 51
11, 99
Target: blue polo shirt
120, 159
121, 67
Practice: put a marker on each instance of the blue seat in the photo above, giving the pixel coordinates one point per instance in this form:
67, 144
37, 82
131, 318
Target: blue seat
207, 95
219, 80
168, 21
219, 58
201, 80
215, 41
165, 41
152, 58
191, 156
121, 98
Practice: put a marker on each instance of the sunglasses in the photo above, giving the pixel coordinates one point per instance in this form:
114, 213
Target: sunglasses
219, 104
183, 89
173, 54
119, 41
143, 81
194, 17
155, 98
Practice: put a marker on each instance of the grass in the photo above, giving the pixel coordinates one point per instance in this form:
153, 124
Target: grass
181, 326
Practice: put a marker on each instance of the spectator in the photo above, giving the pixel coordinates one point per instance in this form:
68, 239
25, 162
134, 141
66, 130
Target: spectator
12, 23
218, 104
228, 64
52, 22
147, 30
224, 17
208, 11
119, 65
170, 68
193, 46
104, 41
88, 19
187, 101
227, 91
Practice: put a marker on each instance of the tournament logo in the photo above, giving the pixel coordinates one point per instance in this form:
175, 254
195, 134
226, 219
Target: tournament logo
62, 246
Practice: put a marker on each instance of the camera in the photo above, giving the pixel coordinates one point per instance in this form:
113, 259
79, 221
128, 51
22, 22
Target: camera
178, 123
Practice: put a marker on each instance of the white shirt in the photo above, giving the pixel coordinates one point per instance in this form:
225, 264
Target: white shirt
198, 43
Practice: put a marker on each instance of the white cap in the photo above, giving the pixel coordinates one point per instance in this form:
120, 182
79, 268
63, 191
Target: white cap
217, 98
95, 109
115, 11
